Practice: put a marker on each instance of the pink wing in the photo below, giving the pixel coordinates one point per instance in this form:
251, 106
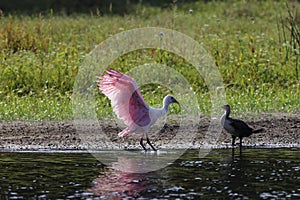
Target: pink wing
126, 98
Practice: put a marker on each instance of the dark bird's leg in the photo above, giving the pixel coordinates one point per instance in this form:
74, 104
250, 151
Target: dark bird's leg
148, 141
241, 138
241, 146
233, 140
141, 143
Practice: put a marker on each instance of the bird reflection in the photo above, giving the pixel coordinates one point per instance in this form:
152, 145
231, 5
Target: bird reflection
120, 180
233, 152
128, 172
114, 184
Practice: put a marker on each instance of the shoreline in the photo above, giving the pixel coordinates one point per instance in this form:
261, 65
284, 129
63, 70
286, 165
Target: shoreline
282, 131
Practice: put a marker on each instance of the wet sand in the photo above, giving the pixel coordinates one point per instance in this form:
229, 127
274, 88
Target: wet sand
281, 130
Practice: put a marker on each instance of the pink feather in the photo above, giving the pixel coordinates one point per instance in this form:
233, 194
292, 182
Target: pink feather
126, 100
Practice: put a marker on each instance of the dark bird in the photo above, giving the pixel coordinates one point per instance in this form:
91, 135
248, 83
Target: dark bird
236, 127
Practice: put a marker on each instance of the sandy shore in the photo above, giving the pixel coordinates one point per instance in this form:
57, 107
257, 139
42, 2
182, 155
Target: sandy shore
281, 131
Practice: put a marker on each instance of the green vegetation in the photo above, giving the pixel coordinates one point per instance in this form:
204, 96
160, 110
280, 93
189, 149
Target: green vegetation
41, 55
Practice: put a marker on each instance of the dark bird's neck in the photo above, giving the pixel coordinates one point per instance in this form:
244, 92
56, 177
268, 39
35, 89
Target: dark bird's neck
225, 116
227, 113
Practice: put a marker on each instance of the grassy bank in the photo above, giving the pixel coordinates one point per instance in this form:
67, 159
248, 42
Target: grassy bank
41, 55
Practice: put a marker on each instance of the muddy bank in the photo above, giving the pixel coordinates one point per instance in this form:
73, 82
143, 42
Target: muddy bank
280, 130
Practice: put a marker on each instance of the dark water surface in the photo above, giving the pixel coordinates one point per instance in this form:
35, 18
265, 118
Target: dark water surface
256, 174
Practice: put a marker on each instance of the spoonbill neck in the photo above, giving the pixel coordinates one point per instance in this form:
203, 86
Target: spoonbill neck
165, 106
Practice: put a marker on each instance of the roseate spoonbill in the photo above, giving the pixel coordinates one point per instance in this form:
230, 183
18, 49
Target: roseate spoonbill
236, 127
129, 105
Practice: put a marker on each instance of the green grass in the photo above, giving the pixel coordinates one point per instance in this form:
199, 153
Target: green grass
36, 108
41, 55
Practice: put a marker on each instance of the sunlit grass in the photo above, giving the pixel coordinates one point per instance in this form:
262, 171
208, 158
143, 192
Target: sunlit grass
36, 108
40, 57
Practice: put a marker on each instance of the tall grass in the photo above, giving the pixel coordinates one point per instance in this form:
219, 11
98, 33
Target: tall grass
40, 56
291, 26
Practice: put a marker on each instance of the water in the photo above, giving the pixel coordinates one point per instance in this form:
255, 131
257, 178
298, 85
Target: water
257, 173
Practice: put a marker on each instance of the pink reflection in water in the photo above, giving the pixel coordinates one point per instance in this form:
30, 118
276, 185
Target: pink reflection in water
117, 182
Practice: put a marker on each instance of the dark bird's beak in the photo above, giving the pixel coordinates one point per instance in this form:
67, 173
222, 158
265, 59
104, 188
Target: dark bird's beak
223, 106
